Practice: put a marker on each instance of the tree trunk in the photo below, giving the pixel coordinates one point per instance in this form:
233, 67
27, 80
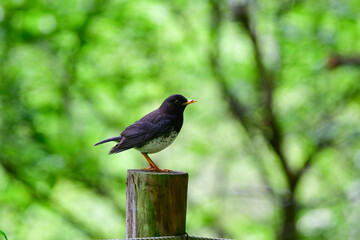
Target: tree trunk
289, 230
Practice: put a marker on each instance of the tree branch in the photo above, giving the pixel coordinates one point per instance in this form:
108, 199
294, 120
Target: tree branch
238, 108
241, 15
336, 60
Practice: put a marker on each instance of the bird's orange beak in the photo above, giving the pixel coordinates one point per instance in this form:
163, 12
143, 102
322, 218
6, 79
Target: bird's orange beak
189, 102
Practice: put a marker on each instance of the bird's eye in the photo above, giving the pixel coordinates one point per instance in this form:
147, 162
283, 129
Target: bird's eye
177, 101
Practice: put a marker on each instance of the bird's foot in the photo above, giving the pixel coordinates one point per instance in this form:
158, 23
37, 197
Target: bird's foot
153, 169
153, 166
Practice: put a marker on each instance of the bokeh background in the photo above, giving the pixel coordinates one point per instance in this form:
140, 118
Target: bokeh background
271, 146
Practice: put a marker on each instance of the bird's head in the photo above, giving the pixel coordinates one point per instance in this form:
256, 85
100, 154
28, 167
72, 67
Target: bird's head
175, 104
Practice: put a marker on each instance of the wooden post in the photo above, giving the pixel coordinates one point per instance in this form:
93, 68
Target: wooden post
155, 203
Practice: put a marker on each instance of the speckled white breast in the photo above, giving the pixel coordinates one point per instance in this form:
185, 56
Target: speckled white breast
159, 143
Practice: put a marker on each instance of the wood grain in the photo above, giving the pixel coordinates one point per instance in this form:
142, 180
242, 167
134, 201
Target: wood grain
156, 203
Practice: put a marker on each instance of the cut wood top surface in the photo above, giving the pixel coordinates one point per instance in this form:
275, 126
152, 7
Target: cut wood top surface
142, 171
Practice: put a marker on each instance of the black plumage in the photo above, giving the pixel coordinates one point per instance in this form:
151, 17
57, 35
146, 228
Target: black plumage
153, 132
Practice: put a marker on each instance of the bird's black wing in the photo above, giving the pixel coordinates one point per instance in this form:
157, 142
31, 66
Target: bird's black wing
138, 133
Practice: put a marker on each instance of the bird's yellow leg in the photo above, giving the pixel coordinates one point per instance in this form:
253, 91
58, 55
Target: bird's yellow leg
153, 166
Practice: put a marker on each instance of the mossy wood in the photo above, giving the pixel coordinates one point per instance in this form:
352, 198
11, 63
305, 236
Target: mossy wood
156, 203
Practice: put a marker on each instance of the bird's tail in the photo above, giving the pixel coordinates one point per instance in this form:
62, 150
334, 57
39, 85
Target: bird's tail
116, 139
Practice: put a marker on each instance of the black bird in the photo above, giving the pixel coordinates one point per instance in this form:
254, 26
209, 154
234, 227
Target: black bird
153, 132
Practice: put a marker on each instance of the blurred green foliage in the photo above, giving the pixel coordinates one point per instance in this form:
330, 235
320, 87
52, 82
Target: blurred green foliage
74, 72
4, 235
